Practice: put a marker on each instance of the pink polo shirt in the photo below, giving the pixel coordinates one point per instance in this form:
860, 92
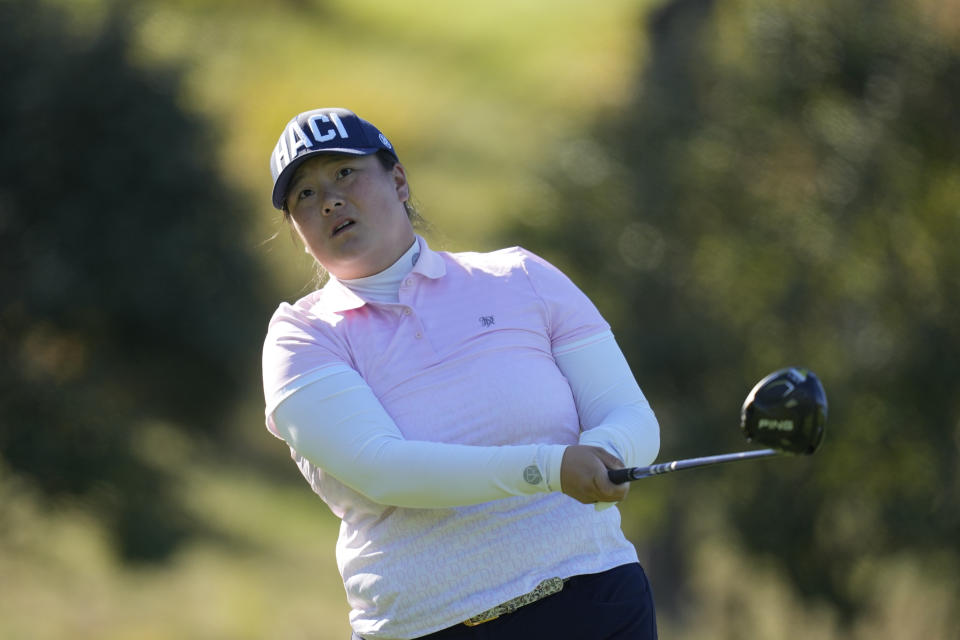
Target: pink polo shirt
466, 357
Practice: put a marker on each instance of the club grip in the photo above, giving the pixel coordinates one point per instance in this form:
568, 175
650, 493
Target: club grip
619, 476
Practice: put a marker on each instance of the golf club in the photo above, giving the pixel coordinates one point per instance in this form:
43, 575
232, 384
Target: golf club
786, 411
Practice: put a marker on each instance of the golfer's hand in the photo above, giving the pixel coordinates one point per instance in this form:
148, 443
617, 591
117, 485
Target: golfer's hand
583, 475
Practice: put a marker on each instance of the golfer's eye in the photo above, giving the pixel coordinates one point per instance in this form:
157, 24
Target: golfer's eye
304, 193
343, 172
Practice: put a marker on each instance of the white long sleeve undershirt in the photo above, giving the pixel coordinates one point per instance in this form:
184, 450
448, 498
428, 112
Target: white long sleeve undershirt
339, 425
614, 414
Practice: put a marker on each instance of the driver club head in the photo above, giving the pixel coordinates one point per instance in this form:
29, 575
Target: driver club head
786, 411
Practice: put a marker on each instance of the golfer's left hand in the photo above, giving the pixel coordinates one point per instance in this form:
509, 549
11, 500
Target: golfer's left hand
583, 475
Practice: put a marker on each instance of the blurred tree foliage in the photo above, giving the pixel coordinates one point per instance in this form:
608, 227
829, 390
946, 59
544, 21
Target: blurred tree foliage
785, 190
127, 296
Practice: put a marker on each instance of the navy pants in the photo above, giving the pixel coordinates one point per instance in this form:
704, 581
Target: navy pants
613, 605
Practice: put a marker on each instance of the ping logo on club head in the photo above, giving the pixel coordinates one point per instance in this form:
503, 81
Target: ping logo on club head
775, 425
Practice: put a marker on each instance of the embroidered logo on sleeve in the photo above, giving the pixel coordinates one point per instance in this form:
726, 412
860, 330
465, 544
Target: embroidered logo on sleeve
487, 321
532, 475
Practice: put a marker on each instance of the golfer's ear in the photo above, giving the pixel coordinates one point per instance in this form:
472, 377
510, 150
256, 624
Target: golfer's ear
400, 180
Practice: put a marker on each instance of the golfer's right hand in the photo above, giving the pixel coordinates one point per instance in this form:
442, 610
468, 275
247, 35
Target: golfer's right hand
583, 475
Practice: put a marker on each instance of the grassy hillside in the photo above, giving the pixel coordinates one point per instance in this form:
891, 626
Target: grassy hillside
264, 569
475, 97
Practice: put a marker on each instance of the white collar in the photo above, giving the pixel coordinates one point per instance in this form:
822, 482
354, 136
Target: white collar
385, 286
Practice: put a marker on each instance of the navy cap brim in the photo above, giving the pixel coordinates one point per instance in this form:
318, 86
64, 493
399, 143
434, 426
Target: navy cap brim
283, 180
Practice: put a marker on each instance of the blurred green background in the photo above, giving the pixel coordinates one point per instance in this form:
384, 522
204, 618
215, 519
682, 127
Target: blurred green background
740, 186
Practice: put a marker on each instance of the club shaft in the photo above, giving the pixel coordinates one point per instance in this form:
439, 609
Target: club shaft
619, 476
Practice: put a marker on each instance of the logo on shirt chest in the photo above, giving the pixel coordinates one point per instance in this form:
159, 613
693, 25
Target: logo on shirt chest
487, 321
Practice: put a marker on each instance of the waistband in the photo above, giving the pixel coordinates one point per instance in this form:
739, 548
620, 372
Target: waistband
546, 588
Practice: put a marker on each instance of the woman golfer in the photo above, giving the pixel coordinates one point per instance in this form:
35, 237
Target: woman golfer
457, 411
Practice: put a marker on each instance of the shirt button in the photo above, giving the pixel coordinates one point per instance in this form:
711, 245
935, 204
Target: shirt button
406, 311
407, 282
419, 335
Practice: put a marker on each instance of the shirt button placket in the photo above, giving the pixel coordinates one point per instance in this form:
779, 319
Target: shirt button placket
407, 311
